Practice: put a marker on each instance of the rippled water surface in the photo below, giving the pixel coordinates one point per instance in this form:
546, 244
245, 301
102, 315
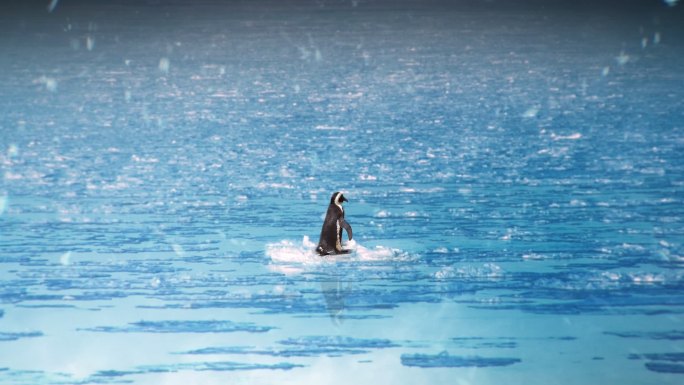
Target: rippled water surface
515, 177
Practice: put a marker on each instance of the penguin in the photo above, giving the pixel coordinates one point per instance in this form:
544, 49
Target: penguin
331, 233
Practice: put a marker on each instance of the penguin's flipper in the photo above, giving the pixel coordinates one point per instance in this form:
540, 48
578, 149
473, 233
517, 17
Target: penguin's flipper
321, 251
344, 251
346, 226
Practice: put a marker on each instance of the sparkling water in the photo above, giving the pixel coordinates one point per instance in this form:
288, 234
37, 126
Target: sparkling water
515, 176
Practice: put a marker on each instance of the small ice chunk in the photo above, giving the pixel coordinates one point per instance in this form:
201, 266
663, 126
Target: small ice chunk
573, 136
90, 43
164, 65
53, 4
605, 71
368, 177
656, 38
178, 249
382, 214
49, 83
622, 58
65, 259
531, 112
12, 151
671, 3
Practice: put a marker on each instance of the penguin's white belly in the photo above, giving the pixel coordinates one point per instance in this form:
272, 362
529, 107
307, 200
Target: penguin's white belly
338, 243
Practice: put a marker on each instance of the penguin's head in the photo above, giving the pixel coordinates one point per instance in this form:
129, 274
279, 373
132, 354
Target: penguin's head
337, 198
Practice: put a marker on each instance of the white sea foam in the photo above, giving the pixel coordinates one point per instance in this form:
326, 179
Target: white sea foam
487, 270
290, 257
326, 127
573, 136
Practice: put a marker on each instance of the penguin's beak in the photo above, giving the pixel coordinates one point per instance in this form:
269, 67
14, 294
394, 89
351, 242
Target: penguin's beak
344, 199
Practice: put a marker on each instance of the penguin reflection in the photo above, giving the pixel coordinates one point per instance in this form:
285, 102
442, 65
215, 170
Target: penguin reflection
335, 292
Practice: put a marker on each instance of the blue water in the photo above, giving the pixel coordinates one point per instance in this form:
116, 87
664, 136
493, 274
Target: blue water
515, 177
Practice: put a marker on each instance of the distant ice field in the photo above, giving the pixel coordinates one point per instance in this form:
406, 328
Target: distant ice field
515, 177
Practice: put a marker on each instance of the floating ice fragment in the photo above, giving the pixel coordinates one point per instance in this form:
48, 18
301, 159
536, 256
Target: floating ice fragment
325, 127
49, 83
622, 58
656, 38
671, 3
12, 176
90, 43
611, 276
573, 136
382, 214
155, 282
531, 112
605, 71
164, 65
65, 259
12, 151
644, 42
290, 258
53, 4
140, 159
178, 249
304, 53
368, 177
